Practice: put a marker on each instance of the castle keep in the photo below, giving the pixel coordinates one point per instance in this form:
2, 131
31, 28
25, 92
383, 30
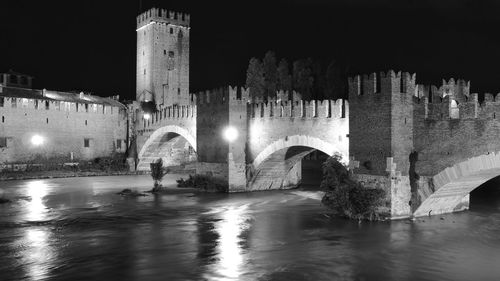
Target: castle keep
163, 57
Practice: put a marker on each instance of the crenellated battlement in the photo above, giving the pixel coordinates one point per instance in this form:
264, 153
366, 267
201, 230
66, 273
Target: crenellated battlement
300, 109
223, 95
382, 82
174, 112
164, 16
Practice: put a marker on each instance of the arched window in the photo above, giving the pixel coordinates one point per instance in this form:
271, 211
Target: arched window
454, 112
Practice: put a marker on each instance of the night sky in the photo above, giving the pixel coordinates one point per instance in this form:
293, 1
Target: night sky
90, 45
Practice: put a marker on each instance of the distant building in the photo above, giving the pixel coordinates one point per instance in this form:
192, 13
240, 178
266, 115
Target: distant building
45, 125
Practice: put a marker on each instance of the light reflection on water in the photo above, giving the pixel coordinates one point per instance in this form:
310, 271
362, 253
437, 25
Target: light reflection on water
40, 254
230, 253
36, 191
80, 229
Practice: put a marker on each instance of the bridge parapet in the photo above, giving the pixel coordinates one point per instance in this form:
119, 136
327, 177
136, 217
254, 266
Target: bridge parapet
300, 109
167, 115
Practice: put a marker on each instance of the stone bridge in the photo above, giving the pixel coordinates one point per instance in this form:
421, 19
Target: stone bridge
169, 133
273, 137
428, 148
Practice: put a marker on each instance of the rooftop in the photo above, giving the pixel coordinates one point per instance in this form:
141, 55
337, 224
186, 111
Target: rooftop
44, 94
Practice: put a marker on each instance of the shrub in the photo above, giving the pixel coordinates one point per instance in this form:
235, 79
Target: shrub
347, 197
157, 173
204, 182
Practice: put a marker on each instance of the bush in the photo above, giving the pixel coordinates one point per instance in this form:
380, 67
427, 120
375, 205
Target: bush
347, 197
157, 173
204, 182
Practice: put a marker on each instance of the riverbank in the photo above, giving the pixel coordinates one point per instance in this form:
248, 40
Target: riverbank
7, 176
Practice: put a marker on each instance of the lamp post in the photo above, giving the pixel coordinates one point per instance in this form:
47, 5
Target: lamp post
230, 134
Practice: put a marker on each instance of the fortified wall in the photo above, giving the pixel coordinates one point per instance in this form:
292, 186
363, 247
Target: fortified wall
219, 110
403, 134
65, 124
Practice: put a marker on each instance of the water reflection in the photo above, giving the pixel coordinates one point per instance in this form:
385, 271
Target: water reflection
228, 253
36, 190
40, 253
282, 235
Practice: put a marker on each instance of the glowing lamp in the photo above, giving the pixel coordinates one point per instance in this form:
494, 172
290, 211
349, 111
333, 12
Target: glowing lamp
230, 134
37, 140
147, 116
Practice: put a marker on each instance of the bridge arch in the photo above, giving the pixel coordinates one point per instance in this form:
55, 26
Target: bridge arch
298, 140
279, 165
453, 185
152, 146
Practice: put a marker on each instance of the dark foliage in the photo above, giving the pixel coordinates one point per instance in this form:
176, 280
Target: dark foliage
157, 173
347, 197
204, 182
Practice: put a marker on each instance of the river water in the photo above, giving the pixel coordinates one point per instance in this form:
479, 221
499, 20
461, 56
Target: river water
79, 229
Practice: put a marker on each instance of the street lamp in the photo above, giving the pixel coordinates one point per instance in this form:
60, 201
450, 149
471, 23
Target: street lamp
147, 116
37, 140
230, 134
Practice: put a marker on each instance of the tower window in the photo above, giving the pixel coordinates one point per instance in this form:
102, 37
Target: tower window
1, 101
171, 54
171, 31
143, 53
86, 142
3, 119
47, 120
164, 52
144, 71
85, 122
3, 142
178, 91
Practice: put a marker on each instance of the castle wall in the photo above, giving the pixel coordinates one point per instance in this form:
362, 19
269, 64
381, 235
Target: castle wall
63, 128
381, 134
273, 122
218, 110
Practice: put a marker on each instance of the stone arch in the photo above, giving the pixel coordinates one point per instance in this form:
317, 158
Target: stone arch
453, 185
279, 165
297, 140
164, 130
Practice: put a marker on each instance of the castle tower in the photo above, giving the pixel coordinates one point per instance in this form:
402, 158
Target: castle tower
162, 73
381, 133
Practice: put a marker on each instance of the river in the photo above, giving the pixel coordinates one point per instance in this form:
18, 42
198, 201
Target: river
80, 229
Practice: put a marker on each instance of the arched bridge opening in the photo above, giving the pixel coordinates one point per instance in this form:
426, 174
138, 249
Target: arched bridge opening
290, 162
449, 191
173, 144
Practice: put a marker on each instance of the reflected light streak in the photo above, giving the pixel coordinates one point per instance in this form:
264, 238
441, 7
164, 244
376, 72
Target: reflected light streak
36, 209
229, 229
38, 254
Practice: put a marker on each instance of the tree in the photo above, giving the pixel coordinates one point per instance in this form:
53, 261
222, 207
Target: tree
302, 78
319, 83
255, 78
157, 174
335, 81
349, 198
270, 74
284, 79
